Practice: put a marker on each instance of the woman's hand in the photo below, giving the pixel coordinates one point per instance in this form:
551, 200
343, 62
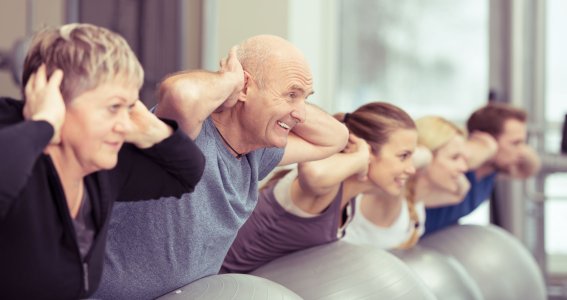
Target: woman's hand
359, 148
43, 100
148, 129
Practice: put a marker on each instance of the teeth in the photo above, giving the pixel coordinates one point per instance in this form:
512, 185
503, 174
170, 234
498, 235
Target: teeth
283, 125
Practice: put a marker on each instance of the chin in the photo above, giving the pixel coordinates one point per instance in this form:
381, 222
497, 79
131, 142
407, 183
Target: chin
394, 192
108, 164
280, 143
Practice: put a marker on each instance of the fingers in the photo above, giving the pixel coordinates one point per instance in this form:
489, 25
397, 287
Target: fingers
232, 53
30, 84
56, 79
41, 77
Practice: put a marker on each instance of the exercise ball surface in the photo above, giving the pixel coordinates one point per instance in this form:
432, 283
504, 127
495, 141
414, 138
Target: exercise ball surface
444, 275
233, 287
344, 271
501, 266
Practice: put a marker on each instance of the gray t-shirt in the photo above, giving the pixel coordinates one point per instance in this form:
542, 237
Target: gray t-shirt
154, 247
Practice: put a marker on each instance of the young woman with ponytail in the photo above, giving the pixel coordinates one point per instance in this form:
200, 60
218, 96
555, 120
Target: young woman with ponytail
309, 205
390, 221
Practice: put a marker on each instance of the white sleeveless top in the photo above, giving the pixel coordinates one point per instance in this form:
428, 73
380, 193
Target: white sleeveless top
363, 232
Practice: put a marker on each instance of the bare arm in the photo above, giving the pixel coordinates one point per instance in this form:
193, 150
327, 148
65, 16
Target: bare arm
437, 199
480, 147
323, 176
190, 97
528, 165
320, 136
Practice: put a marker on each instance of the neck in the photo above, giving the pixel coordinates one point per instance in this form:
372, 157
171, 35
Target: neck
382, 210
232, 133
71, 176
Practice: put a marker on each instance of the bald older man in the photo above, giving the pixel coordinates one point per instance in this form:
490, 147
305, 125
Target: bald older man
247, 118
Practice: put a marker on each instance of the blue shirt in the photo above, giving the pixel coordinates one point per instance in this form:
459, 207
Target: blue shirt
155, 247
441, 217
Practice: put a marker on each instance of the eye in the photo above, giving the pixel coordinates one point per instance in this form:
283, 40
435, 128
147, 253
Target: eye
292, 95
114, 107
405, 156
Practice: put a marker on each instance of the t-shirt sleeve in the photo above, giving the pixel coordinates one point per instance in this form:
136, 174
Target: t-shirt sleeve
271, 157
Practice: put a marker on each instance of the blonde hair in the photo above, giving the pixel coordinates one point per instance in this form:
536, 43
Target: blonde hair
433, 133
88, 55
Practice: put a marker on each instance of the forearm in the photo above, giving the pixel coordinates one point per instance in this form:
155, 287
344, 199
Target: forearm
322, 130
170, 168
319, 176
320, 136
479, 152
528, 165
190, 97
22, 145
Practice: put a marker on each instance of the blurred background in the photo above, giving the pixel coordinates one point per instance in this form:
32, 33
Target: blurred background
444, 57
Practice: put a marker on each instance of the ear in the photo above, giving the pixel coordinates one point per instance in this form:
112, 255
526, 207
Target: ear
247, 81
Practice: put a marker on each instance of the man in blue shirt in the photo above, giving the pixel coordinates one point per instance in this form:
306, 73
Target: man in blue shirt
496, 145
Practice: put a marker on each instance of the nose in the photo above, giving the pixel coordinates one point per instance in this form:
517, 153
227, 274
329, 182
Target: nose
462, 165
299, 111
410, 168
124, 123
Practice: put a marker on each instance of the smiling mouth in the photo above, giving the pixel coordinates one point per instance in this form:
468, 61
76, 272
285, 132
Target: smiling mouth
284, 125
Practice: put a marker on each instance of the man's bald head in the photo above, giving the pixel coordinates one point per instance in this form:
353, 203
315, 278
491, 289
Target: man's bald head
260, 53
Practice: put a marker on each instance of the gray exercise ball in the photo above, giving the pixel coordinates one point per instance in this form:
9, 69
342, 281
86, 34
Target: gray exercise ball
501, 266
344, 271
233, 287
444, 275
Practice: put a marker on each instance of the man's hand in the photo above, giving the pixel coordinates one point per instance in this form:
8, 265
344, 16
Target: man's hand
230, 66
44, 100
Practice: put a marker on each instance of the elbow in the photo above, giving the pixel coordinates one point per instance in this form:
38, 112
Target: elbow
342, 139
310, 176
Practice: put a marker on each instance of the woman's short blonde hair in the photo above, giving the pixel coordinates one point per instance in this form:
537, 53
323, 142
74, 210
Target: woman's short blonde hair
88, 55
434, 132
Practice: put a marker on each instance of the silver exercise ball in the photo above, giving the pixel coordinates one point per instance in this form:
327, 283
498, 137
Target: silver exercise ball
444, 275
497, 261
344, 271
233, 287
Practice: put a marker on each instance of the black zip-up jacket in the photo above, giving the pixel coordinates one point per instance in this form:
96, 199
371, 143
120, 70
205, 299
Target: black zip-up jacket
39, 254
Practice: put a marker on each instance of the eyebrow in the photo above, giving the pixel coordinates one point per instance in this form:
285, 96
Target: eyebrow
124, 100
298, 88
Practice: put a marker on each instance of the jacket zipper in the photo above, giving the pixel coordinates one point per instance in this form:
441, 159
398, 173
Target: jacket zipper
86, 276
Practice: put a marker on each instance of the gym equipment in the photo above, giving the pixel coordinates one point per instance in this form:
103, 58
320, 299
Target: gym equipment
497, 261
444, 275
233, 287
344, 271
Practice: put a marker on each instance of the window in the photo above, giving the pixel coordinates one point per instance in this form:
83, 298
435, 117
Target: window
428, 57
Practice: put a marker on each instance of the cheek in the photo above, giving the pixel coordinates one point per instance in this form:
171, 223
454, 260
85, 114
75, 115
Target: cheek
383, 174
